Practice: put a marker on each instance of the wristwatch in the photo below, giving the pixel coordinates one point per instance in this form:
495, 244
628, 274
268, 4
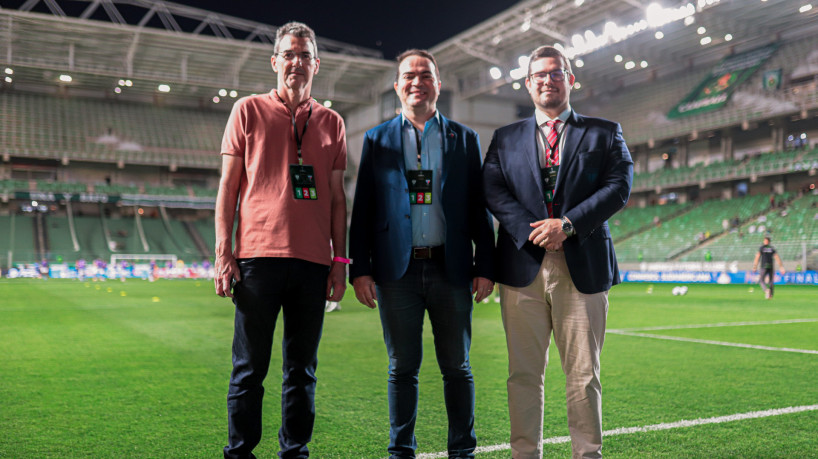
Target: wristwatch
567, 227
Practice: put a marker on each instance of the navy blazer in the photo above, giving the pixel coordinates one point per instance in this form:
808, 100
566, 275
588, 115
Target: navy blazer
380, 232
593, 183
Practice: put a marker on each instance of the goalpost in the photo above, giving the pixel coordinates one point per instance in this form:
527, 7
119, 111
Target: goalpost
143, 258
141, 264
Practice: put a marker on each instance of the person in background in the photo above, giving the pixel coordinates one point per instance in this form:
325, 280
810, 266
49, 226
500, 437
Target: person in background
766, 253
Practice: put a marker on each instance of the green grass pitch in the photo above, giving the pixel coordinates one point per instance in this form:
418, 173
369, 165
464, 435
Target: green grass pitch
139, 369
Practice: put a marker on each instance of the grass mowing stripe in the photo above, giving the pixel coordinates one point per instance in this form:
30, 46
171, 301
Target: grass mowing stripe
723, 324
652, 428
145, 375
718, 343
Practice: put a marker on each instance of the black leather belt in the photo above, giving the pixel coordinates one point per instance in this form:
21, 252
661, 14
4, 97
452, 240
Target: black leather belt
428, 253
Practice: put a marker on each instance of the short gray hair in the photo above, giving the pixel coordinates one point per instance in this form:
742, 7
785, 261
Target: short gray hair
296, 29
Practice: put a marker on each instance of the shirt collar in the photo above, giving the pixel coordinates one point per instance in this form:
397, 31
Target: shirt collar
542, 118
276, 97
405, 121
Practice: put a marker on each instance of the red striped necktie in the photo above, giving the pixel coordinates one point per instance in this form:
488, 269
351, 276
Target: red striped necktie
552, 157
553, 148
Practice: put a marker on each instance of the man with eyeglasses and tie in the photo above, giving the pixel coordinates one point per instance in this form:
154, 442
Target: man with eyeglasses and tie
283, 162
552, 181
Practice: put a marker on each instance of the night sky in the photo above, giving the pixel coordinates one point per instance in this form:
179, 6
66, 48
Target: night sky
390, 27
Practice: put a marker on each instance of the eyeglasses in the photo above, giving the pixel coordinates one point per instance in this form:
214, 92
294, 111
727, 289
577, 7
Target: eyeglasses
556, 75
291, 56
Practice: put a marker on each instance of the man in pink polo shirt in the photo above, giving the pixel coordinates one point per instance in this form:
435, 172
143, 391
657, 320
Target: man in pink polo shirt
284, 157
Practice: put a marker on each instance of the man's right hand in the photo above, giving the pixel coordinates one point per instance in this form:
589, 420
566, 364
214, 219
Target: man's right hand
227, 270
365, 291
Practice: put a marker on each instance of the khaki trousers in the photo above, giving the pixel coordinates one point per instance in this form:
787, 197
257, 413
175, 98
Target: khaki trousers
530, 314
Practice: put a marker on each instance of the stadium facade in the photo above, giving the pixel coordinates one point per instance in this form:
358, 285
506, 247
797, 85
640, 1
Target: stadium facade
111, 115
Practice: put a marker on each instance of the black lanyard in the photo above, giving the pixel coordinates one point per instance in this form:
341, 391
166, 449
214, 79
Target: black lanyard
417, 142
300, 139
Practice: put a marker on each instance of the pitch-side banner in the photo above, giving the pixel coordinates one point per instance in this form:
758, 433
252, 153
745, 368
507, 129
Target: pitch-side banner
714, 91
707, 277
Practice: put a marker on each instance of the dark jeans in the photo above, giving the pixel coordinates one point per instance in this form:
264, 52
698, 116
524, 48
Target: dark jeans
402, 305
767, 279
270, 285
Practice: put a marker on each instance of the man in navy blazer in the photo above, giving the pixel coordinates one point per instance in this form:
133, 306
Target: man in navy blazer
421, 240
552, 181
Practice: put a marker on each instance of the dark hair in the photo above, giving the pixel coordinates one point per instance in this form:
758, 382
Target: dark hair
296, 29
416, 52
548, 51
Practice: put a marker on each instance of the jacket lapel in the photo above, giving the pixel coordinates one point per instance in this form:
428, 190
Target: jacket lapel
531, 151
449, 143
574, 132
396, 141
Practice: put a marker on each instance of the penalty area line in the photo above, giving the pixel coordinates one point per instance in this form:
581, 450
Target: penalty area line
652, 428
717, 343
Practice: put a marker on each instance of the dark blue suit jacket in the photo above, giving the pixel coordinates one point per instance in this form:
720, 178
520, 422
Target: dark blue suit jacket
593, 183
380, 233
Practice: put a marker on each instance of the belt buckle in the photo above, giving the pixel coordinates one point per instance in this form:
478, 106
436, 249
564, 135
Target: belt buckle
421, 253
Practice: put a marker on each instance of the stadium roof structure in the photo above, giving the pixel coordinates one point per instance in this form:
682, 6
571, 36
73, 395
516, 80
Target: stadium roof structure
103, 44
693, 33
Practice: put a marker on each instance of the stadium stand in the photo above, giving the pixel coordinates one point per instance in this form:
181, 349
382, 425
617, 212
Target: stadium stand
60, 243
43, 126
21, 237
792, 228
642, 109
677, 235
91, 237
632, 219
142, 170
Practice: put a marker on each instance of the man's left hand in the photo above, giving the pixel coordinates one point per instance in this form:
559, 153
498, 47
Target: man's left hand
336, 281
481, 288
547, 234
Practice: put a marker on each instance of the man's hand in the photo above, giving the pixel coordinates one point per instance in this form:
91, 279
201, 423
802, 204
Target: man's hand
365, 291
227, 271
336, 281
547, 234
481, 288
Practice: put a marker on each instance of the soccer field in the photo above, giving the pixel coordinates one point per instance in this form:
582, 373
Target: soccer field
139, 369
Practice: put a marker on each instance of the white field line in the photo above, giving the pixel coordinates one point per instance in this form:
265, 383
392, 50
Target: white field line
651, 428
718, 343
723, 324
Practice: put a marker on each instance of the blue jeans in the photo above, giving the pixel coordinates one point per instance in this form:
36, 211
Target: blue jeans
402, 305
270, 285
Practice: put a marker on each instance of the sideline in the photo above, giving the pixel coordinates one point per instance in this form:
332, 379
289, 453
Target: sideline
722, 324
717, 343
651, 428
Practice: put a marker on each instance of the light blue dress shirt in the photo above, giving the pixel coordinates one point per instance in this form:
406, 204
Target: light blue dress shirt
428, 222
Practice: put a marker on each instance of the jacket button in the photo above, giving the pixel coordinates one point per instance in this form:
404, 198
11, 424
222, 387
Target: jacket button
407, 216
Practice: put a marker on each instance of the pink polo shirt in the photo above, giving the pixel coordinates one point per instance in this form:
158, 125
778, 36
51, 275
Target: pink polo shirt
272, 223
